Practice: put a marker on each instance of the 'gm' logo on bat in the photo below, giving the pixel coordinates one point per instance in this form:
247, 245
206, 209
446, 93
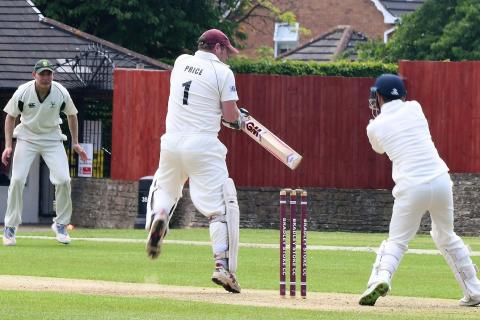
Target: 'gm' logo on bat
255, 130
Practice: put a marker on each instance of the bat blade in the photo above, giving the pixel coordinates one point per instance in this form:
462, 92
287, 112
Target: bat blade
273, 144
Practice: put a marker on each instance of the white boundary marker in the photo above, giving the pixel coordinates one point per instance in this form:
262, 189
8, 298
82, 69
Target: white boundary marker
244, 245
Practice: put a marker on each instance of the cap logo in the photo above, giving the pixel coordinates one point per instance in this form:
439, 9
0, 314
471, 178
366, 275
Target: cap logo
394, 92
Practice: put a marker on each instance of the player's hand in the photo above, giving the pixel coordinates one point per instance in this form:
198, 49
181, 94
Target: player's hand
81, 152
7, 153
236, 125
244, 112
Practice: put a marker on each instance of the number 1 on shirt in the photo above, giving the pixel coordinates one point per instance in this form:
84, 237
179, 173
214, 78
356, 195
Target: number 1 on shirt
185, 92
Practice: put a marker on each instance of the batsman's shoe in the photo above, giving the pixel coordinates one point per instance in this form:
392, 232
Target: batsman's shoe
470, 301
61, 233
226, 279
375, 291
158, 230
9, 236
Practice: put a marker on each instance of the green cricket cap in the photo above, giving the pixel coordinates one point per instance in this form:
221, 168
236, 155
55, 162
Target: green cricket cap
43, 65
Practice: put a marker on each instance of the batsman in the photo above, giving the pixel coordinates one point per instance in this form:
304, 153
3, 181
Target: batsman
422, 183
202, 92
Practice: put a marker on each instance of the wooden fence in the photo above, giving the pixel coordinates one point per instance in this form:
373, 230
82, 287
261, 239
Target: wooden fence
323, 118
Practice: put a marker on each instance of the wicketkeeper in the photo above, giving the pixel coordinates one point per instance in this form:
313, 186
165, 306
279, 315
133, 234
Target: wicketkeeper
422, 183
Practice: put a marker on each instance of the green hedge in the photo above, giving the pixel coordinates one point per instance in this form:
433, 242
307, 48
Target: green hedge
300, 68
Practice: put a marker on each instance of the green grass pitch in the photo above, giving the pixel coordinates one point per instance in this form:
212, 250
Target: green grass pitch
192, 265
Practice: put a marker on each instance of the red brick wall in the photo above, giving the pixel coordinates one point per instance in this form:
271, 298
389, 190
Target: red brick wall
319, 16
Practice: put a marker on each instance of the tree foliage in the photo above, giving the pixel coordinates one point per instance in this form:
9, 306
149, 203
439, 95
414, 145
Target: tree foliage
159, 29
439, 30
144, 26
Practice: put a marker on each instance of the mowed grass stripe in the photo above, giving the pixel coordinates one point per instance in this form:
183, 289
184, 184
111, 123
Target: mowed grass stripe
263, 236
243, 245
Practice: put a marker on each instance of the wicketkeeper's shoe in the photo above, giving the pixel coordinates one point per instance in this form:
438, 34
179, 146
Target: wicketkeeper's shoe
470, 301
375, 291
61, 233
225, 279
9, 236
157, 233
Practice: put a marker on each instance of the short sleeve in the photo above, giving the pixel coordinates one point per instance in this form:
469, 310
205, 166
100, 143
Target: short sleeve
229, 90
70, 108
376, 146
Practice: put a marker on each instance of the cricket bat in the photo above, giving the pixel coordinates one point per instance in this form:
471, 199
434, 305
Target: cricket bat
271, 142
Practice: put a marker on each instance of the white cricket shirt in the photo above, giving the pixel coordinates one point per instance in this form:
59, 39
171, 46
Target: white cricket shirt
40, 120
197, 85
401, 131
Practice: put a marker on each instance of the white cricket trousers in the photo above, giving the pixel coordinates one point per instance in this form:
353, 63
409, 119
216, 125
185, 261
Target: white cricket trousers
54, 155
201, 159
411, 204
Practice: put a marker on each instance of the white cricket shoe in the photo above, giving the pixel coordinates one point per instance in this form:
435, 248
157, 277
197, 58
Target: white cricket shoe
470, 301
157, 233
225, 279
375, 291
9, 236
61, 233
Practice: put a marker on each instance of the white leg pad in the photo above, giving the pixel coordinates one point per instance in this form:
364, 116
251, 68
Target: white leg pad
232, 218
386, 263
457, 256
219, 238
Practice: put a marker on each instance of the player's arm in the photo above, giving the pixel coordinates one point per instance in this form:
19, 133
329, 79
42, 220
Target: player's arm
230, 112
231, 115
73, 127
373, 140
9, 126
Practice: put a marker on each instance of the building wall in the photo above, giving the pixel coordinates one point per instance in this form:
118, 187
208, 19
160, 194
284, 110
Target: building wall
319, 16
105, 203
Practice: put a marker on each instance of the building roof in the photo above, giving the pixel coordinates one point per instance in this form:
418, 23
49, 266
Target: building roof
328, 46
398, 8
82, 60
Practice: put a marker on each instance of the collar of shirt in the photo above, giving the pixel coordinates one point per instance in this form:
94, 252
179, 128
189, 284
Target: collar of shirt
206, 55
391, 106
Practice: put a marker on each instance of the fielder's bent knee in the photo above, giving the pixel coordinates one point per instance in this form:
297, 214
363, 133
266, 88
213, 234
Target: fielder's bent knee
14, 182
61, 181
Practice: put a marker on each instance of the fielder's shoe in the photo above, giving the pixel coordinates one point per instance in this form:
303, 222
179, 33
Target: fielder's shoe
375, 291
9, 236
225, 279
470, 301
158, 230
61, 233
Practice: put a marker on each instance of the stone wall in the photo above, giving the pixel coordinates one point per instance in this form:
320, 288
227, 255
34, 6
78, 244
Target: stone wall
104, 203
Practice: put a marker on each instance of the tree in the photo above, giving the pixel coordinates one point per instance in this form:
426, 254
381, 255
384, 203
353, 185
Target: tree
144, 26
438, 30
158, 28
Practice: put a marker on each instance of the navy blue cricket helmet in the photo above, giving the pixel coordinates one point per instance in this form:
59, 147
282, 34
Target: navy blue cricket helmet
390, 87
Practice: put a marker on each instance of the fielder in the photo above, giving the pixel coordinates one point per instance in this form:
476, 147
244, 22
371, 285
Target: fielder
422, 183
202, 91
39, 103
